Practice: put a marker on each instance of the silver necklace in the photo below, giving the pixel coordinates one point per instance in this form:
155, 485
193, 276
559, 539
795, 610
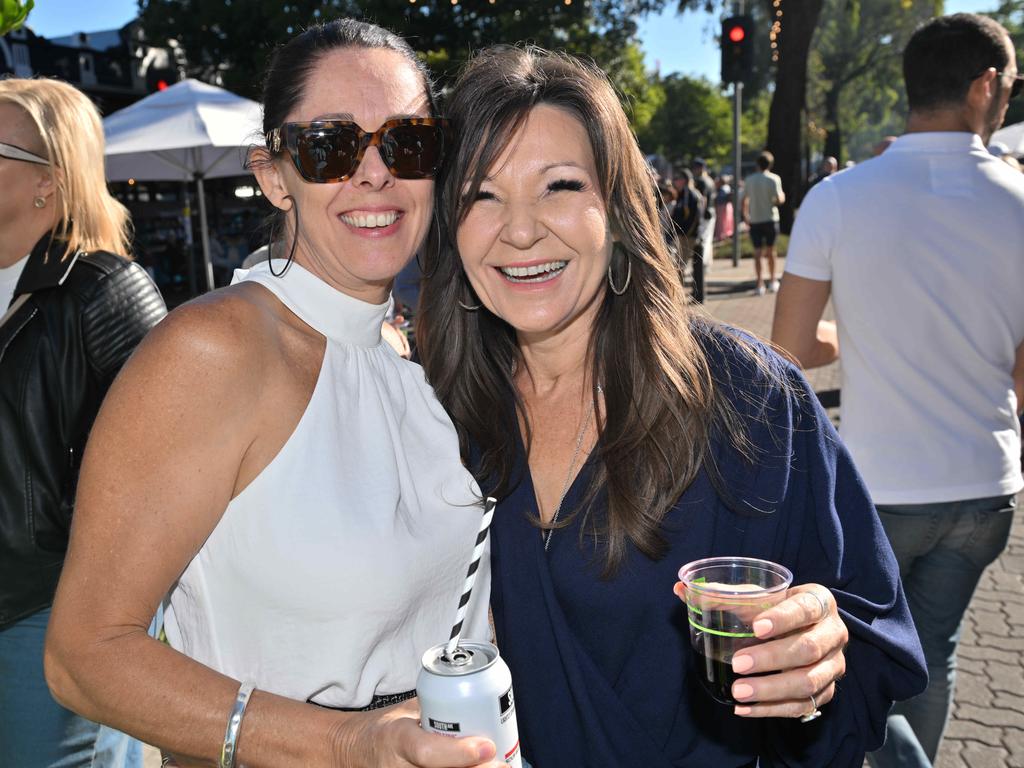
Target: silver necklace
569, 475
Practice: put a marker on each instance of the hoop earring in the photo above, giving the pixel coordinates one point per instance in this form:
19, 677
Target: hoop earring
39, 202
629, 276
424, 273
295, 242
462, 304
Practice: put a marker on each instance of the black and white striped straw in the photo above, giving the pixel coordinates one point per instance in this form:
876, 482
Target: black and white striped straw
474, 566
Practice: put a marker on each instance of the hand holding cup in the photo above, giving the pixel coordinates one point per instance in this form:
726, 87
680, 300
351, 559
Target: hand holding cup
798, 660
767, 649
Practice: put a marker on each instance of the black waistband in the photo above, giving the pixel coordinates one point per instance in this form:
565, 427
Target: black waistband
385, 700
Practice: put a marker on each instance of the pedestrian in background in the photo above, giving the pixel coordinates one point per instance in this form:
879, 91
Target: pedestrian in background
884, 143
724, 219
826, 168
73, 307
762, 196
706, 231
922, 253
687, 214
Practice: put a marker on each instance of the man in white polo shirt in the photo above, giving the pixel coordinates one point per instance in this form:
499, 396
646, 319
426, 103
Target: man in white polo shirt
922, 252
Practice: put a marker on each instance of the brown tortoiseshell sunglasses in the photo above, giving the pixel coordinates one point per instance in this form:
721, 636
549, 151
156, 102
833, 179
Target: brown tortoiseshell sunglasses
328, 151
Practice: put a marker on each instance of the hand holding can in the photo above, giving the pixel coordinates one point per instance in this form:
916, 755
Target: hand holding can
469, 693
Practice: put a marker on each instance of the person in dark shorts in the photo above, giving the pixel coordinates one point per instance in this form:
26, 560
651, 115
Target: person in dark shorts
761, 200
763, 234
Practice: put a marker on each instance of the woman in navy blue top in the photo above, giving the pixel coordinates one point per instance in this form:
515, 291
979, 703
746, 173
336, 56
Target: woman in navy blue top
626, 435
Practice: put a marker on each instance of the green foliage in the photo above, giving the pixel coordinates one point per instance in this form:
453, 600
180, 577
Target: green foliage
13, 14
643, 96
230, 41
695, 119
856, 83
754, 122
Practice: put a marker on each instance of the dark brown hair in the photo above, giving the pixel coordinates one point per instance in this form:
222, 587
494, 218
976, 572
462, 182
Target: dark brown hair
661, 402
292, 64
946, 54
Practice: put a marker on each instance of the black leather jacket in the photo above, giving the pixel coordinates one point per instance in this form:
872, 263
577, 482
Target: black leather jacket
59, 353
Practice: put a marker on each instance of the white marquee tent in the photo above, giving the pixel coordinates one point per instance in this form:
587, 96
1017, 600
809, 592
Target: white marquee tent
188, 132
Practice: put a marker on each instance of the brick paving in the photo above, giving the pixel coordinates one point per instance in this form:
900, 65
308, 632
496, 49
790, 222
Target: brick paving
987, 725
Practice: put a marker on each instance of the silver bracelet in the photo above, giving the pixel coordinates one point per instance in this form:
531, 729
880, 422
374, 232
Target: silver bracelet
230, 748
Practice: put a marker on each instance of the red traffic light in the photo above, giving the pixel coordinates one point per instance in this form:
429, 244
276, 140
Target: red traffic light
161, 85
737, 48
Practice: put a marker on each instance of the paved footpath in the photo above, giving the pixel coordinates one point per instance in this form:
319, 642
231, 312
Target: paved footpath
987, 725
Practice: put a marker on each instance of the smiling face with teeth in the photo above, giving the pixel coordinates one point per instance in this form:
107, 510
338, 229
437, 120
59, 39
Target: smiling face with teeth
357, 234
536, 242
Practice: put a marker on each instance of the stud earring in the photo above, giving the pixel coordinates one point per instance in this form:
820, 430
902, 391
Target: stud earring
39, 202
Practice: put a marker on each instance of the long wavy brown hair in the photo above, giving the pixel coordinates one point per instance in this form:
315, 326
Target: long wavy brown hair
661, 401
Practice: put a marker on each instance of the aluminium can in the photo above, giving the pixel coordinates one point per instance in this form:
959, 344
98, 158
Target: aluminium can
470, 695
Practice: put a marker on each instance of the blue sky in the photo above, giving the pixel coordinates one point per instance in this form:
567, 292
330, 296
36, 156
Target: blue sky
671, 42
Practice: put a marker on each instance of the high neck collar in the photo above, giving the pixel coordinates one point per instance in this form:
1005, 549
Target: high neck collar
336, 315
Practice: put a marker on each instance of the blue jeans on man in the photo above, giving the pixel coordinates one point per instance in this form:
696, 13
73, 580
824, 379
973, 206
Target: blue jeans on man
36, 731
942, 550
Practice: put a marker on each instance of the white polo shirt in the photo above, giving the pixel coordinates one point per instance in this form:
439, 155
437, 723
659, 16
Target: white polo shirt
924, 246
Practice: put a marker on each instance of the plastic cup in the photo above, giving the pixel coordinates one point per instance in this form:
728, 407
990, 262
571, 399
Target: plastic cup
723, 595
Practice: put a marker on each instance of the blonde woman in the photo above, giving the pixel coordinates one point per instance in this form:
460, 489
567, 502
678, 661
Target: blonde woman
73, 308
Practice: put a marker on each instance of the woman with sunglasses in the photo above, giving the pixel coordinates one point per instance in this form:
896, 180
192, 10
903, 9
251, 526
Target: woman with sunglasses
277, 469
625, 435
72, 309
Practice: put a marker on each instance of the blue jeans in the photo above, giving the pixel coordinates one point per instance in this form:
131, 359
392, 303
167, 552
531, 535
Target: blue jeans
36, 731
942, 550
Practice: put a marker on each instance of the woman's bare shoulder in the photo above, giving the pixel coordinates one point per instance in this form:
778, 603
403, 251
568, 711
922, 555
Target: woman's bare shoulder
216, 343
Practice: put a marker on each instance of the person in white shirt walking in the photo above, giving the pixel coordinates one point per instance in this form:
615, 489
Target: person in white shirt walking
761, 200
922, 252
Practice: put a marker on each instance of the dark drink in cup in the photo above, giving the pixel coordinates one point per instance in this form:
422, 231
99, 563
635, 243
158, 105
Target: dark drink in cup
717, 677
723, 596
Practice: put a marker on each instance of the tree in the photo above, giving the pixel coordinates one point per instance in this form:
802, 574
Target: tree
792, 39
13, 14
230, 42
695, 119
860, 42
643, 96
786, 117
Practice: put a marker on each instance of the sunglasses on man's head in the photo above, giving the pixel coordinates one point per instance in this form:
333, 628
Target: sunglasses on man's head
328, 151
12, 152
1015, 89
1018, 83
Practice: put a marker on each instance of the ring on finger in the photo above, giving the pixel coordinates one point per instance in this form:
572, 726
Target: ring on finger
814, 714
822, 601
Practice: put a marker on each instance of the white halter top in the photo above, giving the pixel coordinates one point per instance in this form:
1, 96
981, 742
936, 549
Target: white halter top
343, 561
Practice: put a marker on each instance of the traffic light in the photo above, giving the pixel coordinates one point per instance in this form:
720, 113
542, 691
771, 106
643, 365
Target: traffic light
737, 48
